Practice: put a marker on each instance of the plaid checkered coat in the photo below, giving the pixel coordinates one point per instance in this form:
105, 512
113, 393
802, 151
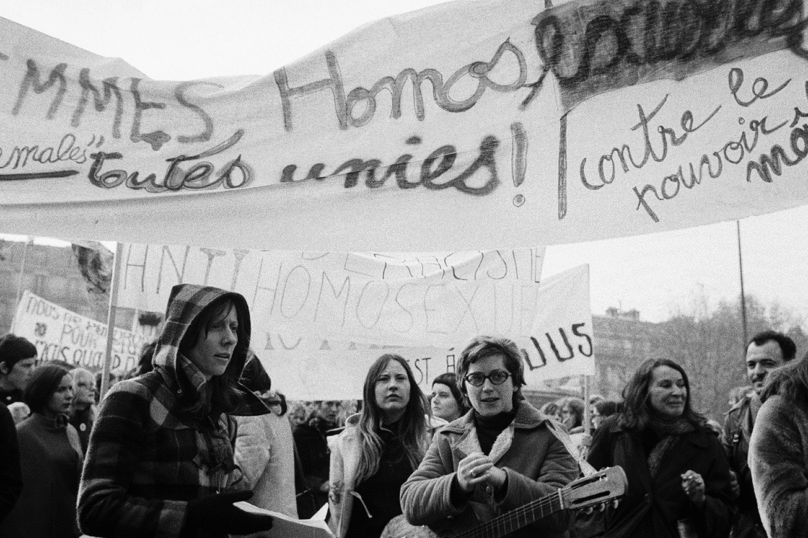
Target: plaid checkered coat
147, 456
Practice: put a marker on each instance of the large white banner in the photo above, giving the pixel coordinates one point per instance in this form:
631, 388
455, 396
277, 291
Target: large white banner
559, 343
61, 334
308, 300
473, 124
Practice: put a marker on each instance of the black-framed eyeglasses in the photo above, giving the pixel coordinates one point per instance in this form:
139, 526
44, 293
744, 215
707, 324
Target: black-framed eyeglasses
497, 377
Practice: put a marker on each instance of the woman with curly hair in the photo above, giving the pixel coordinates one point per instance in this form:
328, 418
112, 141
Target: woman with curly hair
678, 475
377, 451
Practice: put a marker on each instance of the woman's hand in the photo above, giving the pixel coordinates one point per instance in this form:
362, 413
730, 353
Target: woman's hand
477, 468
693, 484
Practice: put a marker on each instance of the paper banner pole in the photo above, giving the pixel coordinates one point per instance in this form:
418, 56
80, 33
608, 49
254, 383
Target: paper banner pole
743, 295
113, 299
28, 241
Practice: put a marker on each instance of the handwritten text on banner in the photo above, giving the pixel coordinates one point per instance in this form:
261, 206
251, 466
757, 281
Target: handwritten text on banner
430, 299
558, 344
60, 334
591, 119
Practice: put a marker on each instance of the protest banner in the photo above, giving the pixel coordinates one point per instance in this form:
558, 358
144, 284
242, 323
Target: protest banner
60, 334
307, 299
558, 343
550, 124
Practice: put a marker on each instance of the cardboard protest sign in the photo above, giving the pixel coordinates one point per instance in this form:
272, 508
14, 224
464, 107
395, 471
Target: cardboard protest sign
60, 334
304, 300
472, 124
559, 343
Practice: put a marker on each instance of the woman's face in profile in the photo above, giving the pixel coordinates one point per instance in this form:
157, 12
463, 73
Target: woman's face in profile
667, 392
215, 345
443, 403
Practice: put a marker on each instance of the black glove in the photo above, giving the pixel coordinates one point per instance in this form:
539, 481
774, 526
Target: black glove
217, 513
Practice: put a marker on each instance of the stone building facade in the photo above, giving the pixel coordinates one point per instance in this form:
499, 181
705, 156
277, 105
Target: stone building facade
47, 271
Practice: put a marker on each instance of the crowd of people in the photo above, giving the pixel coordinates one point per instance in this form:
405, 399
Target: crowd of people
176, 449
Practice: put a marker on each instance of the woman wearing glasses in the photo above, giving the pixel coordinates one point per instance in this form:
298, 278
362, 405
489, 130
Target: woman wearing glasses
499, 457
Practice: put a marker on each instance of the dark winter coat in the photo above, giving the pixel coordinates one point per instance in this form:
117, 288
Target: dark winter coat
315, 457
735, 439
10, 474
652, 507
50, 457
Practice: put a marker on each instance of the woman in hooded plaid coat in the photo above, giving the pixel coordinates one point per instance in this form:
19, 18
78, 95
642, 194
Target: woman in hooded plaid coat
160, 460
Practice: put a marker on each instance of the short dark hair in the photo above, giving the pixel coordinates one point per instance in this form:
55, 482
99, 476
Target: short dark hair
43, 383
790, 382
787, 346
635, 414
15, 348
606, 408
450, 380
481, 347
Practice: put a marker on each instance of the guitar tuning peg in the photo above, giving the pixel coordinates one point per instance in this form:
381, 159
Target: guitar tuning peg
615, 503
602, 507
589, 510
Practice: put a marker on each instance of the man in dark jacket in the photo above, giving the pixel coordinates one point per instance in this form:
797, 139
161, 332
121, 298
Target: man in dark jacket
765, 352
315, 458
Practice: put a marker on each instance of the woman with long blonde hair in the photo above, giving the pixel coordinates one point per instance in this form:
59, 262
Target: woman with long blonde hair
377, 451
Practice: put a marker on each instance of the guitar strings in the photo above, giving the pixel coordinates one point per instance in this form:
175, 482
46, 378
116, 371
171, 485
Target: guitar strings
525, 510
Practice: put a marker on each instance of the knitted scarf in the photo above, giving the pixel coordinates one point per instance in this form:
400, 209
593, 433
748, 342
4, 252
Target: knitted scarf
669, 431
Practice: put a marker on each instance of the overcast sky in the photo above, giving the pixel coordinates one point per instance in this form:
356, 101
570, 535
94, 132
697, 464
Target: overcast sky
656, 274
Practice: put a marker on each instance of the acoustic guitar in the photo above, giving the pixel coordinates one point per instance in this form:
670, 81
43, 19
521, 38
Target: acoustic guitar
599, 488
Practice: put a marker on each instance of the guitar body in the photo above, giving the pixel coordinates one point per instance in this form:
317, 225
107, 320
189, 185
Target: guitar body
590, 491
398, 527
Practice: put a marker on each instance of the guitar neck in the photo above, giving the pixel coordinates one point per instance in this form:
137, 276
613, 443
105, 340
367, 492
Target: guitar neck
516, 519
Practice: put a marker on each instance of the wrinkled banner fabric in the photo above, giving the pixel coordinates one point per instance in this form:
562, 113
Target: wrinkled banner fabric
472, 124
319, 319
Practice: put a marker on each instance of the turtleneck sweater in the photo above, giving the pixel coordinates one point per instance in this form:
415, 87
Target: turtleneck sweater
489, 428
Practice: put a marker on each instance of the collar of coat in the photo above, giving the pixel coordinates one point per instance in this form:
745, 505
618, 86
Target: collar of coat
696, 437
527, 418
